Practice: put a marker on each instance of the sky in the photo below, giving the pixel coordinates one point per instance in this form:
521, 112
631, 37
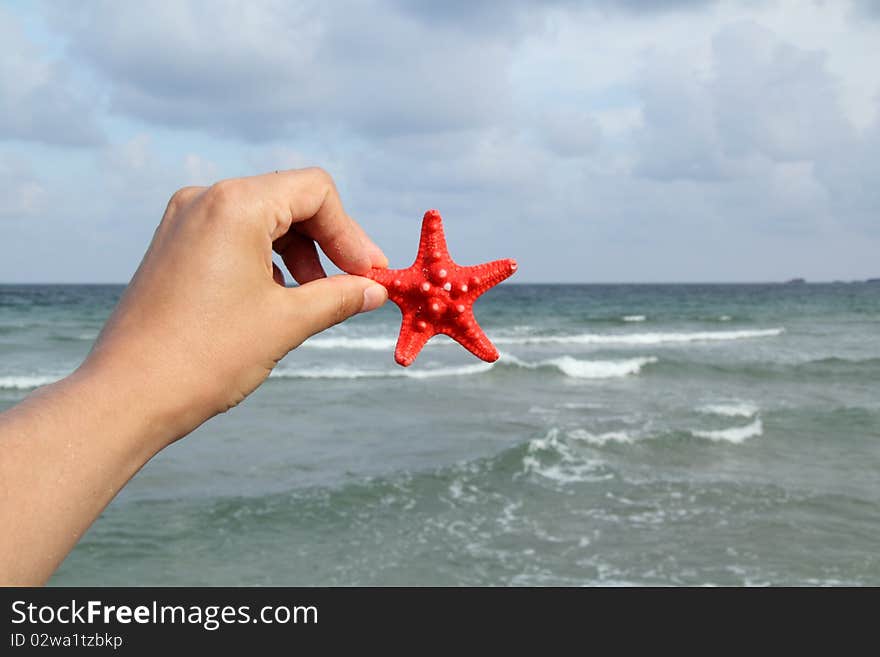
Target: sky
593, 141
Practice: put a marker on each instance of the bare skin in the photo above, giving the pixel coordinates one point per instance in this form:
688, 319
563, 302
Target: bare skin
201, 325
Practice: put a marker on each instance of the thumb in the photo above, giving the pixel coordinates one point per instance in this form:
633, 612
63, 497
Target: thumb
322, 303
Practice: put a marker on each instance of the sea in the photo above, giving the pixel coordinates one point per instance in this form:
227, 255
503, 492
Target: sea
629, 435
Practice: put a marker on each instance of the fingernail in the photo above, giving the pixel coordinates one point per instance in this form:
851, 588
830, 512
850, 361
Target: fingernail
374, 296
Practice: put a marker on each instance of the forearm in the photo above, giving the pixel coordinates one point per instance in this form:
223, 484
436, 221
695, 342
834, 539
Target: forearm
64, 454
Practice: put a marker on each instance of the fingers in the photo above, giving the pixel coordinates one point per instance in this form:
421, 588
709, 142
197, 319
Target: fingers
300, 256
340, 237
377, 257
308, 198
325, 302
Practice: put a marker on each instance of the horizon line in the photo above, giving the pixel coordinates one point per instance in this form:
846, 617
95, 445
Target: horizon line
792, 282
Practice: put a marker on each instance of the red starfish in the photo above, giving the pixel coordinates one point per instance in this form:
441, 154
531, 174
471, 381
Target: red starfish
435, 295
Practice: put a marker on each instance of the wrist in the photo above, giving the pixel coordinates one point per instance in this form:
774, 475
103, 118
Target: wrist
121, 407
160, 391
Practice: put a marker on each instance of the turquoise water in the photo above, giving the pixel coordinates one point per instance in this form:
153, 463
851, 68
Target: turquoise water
656, 434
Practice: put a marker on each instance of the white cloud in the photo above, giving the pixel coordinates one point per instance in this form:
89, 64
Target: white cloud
272, 69
22, 194
595, 141
198, 170
570, 132
772, 97
38, 98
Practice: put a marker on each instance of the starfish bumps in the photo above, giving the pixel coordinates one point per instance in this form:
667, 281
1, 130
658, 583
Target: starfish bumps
435, 295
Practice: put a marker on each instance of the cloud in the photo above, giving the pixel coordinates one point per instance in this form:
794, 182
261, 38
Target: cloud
275, 70
598, 140
22, 194
759, 98
679, 138
504, 15
747, 146
869, 8
91, 224
772, 97
38, 98
761, 126
199, 170
137, 174
268, 70
850, 173
570, 132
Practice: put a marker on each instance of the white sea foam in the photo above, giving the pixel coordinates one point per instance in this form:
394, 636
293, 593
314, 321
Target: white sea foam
599, 369
579, 405
385, 344
564, 466
344, 342
600, 438
570, 367
734, 434
350, 373
634, 318
26, 382
732, 409
724, 318
643, 338
462, 370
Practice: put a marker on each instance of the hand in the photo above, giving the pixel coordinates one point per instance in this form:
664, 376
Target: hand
203, 322
206, 317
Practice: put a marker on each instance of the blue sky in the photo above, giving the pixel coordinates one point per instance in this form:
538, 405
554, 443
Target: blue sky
594, 141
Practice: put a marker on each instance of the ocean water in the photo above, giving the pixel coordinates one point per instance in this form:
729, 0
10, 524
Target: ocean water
630, 434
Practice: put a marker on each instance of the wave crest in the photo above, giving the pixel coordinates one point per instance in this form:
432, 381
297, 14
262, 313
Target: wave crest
632, 339
644, 338
732, 409
350, 373
734, 435
344, 342
566, 365
26, 382
594, 369
600, 439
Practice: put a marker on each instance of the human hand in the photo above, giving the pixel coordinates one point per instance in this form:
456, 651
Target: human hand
206, 317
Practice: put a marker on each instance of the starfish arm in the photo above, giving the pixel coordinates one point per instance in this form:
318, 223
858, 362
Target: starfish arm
432, 243
475, 341
488, 275
411, 340
385, 277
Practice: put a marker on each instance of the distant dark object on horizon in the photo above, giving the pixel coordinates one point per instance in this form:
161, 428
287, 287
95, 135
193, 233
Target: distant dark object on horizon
795, 281
873, 280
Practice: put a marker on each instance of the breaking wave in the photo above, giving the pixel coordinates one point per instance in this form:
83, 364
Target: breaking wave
734, 435
732, 409
352, 373
566, 365
634, 339
26, 382
364, 344
590, 369
644, 338
600, 439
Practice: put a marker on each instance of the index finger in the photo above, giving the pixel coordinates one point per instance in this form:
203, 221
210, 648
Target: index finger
308, 199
